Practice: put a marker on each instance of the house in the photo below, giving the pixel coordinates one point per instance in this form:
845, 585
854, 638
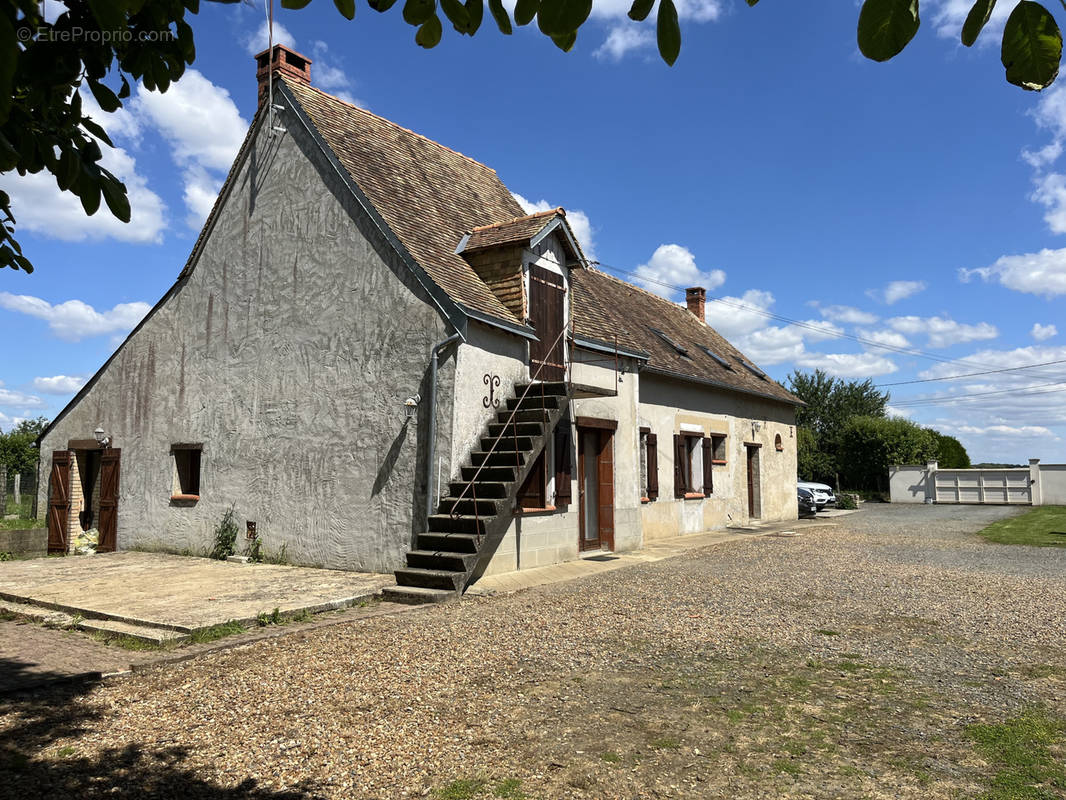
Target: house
381, 362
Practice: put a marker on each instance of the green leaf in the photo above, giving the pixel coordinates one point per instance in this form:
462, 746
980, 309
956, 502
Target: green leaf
886, 26
381, 5
185, 42
499, 13
115, 197
976, 20
9, 53
418, 12
475, 9
96, 130
456, 12
104, 96
562, 17
1032, 46
428, 36
110, 14
525, 11
668, 32
90, 193
565, 42
294, 4
752, 2
346, 7
640, 9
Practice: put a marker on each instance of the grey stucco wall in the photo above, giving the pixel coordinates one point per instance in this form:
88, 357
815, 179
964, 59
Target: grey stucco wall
288, 353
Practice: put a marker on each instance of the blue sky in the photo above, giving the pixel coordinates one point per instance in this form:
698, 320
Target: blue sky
919, 204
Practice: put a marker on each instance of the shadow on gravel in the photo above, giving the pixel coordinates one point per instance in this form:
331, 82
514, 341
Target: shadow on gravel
35, 764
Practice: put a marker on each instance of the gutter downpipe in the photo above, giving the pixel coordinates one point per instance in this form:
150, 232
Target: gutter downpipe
432, 454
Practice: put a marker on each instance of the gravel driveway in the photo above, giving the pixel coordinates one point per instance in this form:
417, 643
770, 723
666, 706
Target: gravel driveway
847, 662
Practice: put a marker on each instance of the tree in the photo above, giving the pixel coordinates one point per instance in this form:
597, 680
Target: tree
870, 445
17, 451
833, 401
44, 67
813, 463
950, 452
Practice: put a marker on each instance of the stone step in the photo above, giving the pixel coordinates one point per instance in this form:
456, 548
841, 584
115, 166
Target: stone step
526, 415
441, 559
509, 443
535, 401
154, 636
417, 595
494, 474
448, 542
484, 489
430, 578
467, 505
464, 523
501, 458
31, 613
560, 388
516, 428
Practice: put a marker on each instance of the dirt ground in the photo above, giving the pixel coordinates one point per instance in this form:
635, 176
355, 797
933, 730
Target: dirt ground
897, 655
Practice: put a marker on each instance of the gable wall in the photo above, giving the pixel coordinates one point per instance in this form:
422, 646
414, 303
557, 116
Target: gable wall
288, 353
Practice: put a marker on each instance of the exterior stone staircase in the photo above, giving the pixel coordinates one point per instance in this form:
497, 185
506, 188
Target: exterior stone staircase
465, 533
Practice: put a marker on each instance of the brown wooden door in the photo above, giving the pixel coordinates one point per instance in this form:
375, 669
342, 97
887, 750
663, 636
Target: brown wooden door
595, 489
606, 489
546, 313
59, 501
751, 481
109, 475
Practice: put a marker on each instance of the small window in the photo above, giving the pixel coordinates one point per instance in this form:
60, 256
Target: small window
649, 466
721, 361
681, 351
186, 481
754, 370
777, 443
688, 465
718, 451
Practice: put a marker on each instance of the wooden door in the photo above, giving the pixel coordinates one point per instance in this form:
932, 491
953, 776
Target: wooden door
59, 501
595, 489
546, 313
751, 481
606, 489
109, 475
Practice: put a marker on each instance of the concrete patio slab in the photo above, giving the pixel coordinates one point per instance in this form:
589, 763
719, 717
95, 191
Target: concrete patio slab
179, 593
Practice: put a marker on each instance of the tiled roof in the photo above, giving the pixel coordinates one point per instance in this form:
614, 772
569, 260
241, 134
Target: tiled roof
430, 196
605, 307
510, 232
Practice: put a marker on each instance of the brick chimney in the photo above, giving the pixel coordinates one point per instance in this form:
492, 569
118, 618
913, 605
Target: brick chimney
285, 62
696, 300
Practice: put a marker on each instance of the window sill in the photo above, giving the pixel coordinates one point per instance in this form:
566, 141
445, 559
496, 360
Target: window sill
645, 499
544, 510
719, 462
694, 495
184, 499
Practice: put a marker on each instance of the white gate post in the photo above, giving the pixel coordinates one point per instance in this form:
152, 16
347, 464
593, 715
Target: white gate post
1036, 495
930, 481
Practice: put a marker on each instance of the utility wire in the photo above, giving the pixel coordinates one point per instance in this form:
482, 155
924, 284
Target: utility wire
972, 374
1020, 392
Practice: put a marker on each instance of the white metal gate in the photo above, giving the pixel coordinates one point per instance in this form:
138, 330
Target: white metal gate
1002, 486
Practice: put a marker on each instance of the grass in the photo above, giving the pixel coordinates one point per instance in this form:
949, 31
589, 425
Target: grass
20, 524
1033, 528
462, 789
125, 642
510, 788
1020, 752
216, 632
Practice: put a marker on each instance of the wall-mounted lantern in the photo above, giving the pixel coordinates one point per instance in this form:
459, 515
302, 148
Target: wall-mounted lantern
102, 438
410, 406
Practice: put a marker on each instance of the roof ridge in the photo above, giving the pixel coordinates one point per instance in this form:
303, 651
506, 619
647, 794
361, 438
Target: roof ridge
650, 294
386, 121
549, 212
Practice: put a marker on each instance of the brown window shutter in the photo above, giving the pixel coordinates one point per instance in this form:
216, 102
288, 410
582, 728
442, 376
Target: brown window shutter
653, 466
679, 466
563, 469
708, 458
531, 495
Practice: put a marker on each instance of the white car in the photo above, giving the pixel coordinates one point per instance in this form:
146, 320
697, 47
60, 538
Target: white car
823, 494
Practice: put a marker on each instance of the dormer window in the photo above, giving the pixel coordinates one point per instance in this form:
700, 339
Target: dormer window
754, 370
717, 358
681, 351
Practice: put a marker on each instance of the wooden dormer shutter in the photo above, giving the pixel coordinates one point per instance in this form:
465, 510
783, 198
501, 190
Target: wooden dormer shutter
653, 466
708, 459
679, 466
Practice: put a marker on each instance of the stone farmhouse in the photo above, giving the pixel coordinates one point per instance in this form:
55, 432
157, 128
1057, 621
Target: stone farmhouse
381, 363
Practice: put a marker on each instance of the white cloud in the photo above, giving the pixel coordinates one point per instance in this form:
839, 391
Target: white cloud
1042, 273
204, 129
7, 423
849, 315
888, 338
255, 42
624, 38
331, 77
1049, 188
848, 365
75, 320
905, 413
948, 16
59, 384
1012, 431
943, 331
1043, 332
675, 265
894, 291
578, 220
12, 399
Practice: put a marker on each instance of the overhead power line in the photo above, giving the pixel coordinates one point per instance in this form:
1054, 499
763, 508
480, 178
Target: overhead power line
1018, 392
973, 374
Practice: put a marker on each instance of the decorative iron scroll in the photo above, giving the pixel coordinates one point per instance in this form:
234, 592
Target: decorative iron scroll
493, 382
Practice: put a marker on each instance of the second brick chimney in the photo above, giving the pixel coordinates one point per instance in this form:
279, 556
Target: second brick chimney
285, 62
696, 300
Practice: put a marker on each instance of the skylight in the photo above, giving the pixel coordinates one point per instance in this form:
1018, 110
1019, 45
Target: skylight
681, 351
754, 370
721, 361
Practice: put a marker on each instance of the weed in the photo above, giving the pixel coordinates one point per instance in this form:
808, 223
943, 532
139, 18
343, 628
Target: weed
255, 550
462, 789
216, 632
280, 557
301, 616
65, 752
826, 632
666, 743
226, 536
611, 757
510, 788
125, 642
264, 619
788, 766
1020, 751
6, 556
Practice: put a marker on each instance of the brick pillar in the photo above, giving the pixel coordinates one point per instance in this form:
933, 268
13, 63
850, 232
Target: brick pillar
3, 490
1035, 489
696, 300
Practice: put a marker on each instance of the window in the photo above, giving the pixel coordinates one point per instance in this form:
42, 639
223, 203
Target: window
777, 443
681, 351
721, 361
692, 465
754, 370
186, 480
718, 450
649, 466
